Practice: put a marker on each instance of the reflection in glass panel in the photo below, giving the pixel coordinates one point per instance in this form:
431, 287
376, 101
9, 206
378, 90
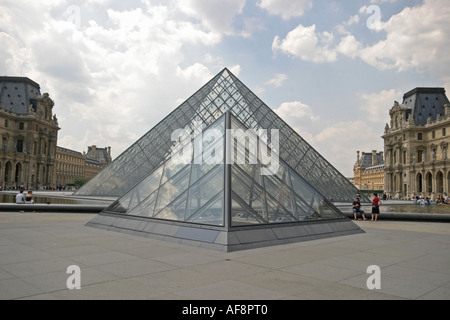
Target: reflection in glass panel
173, 188
248, 190
302, 189
211, 213
146, 208
305, 212
205, 189
277, 213
151, 183
327, 212
145, 188
174, 211
241, 214
279, 191
171, 168
121, 205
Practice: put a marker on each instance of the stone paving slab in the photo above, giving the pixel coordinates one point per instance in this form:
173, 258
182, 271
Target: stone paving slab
37, 248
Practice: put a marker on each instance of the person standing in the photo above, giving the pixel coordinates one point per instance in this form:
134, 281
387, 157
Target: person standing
376, 203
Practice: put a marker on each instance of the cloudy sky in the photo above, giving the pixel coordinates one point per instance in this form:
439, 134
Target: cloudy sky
331, 69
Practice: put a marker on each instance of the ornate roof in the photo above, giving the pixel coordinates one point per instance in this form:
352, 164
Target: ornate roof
16, 93
425, 103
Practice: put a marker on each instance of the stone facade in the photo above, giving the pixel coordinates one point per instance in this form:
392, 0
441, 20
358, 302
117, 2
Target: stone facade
369, 171
96, 160
29, 155
416, 145
29, 133
73, 165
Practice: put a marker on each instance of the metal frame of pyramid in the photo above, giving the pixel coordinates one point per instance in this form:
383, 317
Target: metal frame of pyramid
224, 205
224, 92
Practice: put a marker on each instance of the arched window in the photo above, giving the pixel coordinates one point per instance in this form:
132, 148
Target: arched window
429, 182
419, 183
440, 182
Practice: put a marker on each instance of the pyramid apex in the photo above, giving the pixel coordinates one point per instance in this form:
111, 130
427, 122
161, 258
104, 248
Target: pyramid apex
225, 70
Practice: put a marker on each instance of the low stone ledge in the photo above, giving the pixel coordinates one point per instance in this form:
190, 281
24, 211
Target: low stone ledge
431, 217
68, 208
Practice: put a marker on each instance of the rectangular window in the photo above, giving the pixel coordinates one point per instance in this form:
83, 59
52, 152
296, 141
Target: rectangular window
20, 145
433, 135
444, 132
419, 137
21, 126
419, 155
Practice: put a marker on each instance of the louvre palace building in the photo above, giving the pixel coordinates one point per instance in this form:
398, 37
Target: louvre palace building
29, 155
29, 133
369, 171
416, 145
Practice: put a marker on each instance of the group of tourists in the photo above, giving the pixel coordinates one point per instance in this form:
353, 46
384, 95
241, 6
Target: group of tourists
376, 203
441, 200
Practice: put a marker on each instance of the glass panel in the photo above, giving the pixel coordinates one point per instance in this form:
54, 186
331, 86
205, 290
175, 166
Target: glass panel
276, 213
301, 188
145, 188
205, 189
328, 212
173, 188
280, 192
145, 208
240, 215
171, 168
304, 211
174, 211
211, 213
248, 190
120, 206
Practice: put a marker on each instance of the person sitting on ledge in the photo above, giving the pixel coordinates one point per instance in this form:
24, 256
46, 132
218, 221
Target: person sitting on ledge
357, 209
29, 197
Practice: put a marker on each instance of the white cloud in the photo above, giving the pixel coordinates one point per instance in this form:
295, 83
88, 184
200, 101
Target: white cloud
216, 15
278, 80
352, 20
339, 143
306, 44
349, 46
416, 39
336, 142
114, 78
287, 9
377, 105
236, 70
299, 116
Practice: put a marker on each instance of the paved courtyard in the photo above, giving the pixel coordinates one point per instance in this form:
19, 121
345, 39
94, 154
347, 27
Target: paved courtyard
36, 250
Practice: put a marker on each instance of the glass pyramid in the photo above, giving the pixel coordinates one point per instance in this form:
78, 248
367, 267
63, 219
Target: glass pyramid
220, 183
150, 158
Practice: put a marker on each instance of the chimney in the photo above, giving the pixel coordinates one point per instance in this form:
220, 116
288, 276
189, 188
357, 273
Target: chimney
447, 109
374, 158
357, 157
